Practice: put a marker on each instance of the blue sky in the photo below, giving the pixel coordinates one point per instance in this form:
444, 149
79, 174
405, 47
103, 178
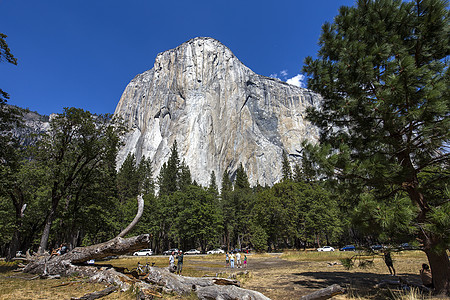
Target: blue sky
84, 53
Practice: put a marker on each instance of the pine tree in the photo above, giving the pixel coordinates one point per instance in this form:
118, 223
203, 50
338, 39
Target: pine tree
145, 177
227, 185
169, 174
127, 179
383, 70
5, 55
185, 176
241, 181
286, 167
212, 188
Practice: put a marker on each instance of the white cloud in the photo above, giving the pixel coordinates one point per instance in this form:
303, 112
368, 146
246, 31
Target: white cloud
274, 75
284, 73
297, 80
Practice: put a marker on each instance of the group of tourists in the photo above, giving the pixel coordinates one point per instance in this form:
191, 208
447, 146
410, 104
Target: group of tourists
231, 257
179, 267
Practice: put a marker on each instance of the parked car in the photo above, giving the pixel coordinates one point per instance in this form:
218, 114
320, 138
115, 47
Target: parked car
376, 247
143, 252
348, 248
174, 250
192, 252
216, 251
325, 249
406, 246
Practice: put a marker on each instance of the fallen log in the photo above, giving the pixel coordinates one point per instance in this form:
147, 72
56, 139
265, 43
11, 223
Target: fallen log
203, 287
324, 293
61, 264
99, 294
228, 292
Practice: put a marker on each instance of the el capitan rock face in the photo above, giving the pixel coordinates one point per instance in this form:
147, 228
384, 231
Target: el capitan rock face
219, 111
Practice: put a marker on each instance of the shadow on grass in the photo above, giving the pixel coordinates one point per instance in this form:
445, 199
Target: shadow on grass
7, 266
324, 279
359, 280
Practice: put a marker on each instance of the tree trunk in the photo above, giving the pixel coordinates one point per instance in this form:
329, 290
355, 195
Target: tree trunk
19, 206
440, 268
62, 264
13, 245
205, 288
136, 218
46, 233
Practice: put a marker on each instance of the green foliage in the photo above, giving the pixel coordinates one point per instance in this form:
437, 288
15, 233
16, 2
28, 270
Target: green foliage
185, 178
212, 188
347, 263
77, 155
5, 55
241, 181
169, 175
127, 179
391, 220
259, 238
198, 219
286, 167
383, 70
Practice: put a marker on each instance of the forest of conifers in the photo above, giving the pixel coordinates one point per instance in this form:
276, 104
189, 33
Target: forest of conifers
64, 188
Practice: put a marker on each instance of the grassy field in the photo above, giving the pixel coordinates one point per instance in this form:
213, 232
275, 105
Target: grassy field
279, 276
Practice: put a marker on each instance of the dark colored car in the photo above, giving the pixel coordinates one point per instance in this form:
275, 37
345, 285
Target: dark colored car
348, 248
376, 247
406, 246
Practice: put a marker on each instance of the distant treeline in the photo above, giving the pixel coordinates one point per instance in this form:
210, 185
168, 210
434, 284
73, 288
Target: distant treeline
65, 189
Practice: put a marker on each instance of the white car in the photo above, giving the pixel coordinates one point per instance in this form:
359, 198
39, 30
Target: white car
216, 251
192, 252
143, 252
325, 249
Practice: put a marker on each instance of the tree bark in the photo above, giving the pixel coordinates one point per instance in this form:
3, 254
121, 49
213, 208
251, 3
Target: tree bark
14, 244
205, 288
46, 233
440, 268
62, 264
19, 206
99, 294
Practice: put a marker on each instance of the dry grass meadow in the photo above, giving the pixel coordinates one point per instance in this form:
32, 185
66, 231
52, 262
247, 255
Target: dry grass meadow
289, 275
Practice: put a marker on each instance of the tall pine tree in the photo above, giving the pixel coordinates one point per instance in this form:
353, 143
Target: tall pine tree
383, 70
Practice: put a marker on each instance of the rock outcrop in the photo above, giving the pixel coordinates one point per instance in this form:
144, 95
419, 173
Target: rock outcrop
219, 111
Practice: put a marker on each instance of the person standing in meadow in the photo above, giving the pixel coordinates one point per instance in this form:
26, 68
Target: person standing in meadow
238, 260
227, 260
388, 262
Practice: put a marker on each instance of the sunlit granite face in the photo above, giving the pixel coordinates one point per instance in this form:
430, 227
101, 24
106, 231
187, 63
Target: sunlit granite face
219, 111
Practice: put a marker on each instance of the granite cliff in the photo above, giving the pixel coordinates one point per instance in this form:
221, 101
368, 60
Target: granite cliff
219, 111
